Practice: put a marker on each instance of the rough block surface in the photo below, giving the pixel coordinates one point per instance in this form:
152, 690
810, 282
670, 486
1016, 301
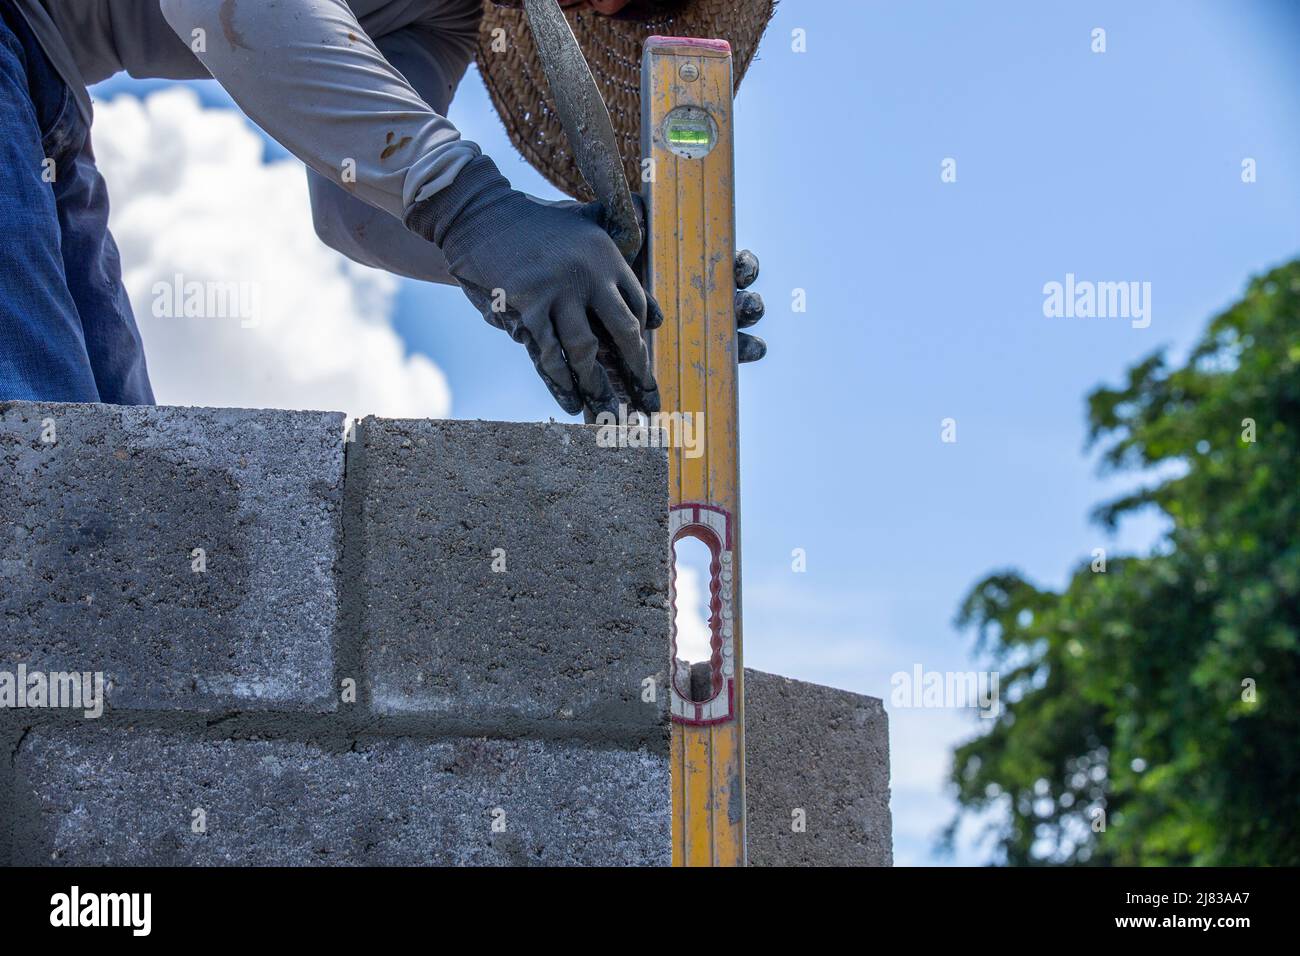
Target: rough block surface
92, 796
825, 752
102, 510
508, 574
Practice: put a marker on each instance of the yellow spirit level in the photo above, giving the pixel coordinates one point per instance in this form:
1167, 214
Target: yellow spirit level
686, 97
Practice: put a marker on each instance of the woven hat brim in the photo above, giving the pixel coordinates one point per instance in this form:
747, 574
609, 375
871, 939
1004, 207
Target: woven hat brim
512, 71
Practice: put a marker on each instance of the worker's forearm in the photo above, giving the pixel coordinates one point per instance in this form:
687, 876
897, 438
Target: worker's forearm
306, 72
433, 62
372, 237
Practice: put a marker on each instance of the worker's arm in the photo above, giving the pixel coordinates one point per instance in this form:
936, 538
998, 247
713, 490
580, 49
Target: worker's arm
433, 62
308, 74
548, 274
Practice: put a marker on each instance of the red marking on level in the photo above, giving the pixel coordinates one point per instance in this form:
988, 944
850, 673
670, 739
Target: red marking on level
722, 46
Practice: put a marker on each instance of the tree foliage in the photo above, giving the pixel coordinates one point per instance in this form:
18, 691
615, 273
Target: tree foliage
1130, 692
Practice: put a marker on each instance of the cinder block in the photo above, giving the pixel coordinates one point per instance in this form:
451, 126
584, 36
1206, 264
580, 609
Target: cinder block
103, 512
824, 752
510, 574
104, 796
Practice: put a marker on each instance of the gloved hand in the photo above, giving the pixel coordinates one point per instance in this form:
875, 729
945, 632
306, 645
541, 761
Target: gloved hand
549, 275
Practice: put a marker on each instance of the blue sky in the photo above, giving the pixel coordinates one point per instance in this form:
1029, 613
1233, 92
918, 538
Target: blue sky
925, 303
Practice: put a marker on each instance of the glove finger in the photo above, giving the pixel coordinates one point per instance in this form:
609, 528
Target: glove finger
749, 348
581, 346
638, 203
536, 334
634, 292
642, 303
749, 308
746, 269
639, 398
654, 315
635, 297
629, 346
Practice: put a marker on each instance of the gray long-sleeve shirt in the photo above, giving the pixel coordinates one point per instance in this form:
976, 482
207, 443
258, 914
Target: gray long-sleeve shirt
357, 90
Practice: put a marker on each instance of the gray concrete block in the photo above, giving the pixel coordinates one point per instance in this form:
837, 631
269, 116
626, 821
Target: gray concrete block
104, 796
575, 623
825, 752
98, 529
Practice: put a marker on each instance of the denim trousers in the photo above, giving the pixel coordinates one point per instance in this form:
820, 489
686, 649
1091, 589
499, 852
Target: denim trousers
67, 333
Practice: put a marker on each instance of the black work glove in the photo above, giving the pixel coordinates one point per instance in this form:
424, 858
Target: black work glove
551, 277
749, 308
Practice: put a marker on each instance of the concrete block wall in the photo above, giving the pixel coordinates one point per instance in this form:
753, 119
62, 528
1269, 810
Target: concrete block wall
426, 643
391, 650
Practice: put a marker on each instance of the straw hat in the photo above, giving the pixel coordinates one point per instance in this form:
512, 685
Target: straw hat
517, 84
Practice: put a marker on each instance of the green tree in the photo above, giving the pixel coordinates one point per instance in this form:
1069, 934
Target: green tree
1166, 690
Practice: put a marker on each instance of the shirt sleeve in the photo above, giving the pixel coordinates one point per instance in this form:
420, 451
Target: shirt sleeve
309, 75
433, 62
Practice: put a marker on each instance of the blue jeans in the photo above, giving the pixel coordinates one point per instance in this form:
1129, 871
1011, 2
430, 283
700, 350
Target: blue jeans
66, 329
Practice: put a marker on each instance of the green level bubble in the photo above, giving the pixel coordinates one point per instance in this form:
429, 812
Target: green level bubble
688, 135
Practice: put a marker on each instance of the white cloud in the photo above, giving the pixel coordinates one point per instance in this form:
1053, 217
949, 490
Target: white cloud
192, 198
693, 637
